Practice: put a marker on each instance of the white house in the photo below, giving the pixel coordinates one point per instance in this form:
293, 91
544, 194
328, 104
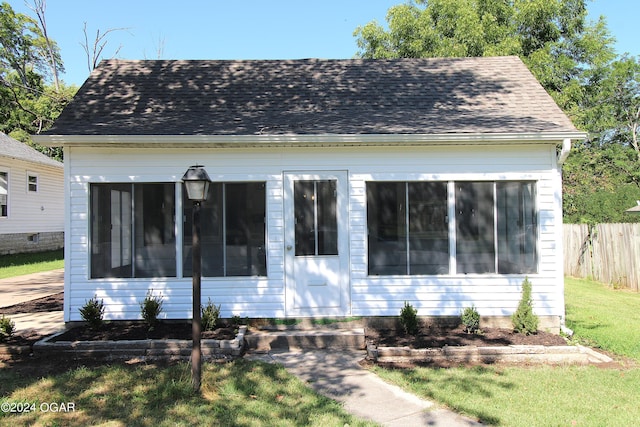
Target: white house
341, 187
31, 199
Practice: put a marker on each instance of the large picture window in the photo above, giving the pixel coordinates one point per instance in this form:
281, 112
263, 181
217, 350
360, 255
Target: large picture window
133, 230
495, 227
407, 228
232, 236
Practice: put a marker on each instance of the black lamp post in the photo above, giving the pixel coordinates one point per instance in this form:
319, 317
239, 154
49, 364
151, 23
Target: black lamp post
196, 182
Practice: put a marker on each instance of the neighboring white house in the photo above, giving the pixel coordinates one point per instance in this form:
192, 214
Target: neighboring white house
31, 199
341, 187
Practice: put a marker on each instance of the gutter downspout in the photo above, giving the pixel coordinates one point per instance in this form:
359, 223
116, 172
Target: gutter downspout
562, 157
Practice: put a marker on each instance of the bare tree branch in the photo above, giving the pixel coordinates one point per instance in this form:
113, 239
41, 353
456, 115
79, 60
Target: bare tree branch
94, 51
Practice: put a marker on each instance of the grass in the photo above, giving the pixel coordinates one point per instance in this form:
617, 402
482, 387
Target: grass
547, 395
603, 317
240, 393
20, 264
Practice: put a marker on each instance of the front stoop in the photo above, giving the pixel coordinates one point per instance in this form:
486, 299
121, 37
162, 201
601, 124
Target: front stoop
303, 339
505, 354
169, 349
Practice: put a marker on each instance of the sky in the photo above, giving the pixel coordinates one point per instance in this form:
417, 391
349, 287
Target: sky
246, 29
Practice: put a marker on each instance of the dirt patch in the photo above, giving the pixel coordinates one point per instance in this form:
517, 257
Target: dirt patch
40, 305
439, 336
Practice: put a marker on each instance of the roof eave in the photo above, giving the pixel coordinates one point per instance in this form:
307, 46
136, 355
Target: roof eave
300, 140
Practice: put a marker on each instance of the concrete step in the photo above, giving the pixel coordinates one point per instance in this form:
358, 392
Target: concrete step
305, 339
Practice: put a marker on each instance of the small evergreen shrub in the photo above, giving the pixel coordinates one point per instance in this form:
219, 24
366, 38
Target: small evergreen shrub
92, 312
524, 320
150, 308
471, 320
210, 315
7, 328
409, 319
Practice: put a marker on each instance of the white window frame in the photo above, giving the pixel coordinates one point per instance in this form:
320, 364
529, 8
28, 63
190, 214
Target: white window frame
8, 174
31, 175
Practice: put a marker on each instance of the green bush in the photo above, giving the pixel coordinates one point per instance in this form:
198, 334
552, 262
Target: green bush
409, 319
471, 320
524, 321
92, 312
150, 308
7, 327
210, 316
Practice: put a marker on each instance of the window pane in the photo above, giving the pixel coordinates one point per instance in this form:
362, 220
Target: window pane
4, 193
245, 229
232, 231
211, 234
386, 222
304, 213
517, 228
428, 228
327, 219
155, 244
111, 230
475, 250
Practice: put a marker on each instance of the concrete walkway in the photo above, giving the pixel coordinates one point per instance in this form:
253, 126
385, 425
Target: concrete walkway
338, 375
16, 290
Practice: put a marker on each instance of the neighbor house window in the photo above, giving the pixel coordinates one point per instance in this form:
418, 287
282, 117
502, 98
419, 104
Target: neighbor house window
133, 230
232, 235
32, 183
495, 227
408, 229
4, 194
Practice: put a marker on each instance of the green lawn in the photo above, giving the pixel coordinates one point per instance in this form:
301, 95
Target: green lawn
241, 393
545, 395
20, 264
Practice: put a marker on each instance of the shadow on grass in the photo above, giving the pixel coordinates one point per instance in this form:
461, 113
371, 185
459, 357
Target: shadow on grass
239, 393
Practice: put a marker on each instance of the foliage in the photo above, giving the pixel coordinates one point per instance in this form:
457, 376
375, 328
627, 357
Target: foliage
602, 317
92, 312
471, 320
150, 308
29, 103
239, 393
524, 320
7, 327
409, 319
210, 316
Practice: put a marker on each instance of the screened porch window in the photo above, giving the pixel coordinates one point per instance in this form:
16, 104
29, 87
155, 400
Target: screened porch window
133, 230
408, 229
494, 231
232, 235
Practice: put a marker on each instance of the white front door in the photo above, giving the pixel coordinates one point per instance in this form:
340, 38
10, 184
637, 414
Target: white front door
316, 243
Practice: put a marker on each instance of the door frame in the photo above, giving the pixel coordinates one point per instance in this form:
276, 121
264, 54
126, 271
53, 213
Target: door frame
342, 200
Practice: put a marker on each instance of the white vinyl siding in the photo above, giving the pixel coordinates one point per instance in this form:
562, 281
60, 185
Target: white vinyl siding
492, 294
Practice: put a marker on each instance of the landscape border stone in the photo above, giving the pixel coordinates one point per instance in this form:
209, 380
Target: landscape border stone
165, 349
538, 354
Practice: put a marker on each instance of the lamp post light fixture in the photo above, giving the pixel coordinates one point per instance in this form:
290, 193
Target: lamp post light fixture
196, 182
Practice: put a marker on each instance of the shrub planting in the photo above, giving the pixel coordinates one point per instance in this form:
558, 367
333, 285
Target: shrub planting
471, 320
524, 320
92, 312
409, 319
210, 316
7, 328
150, 308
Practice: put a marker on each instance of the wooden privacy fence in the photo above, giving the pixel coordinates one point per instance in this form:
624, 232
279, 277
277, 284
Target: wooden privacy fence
608, 253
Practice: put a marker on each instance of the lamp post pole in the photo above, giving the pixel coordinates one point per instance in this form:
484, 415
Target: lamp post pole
196, 183
196, 364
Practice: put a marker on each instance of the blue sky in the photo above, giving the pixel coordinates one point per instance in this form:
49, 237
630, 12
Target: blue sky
249, 29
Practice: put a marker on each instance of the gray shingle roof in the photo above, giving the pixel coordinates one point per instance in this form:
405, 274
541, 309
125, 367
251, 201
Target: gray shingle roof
311, 97
13, 149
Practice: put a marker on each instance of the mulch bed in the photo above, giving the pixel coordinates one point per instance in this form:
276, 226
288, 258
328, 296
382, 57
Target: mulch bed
123, 330
440, 336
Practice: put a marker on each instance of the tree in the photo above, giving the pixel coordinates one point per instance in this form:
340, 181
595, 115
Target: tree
28, 103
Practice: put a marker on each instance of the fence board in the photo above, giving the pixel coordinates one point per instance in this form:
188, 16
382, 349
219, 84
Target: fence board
607, 253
